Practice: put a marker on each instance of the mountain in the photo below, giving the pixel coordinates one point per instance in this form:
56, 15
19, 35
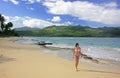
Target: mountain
70, 31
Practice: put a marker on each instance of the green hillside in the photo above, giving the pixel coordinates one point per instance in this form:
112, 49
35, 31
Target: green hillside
72, 31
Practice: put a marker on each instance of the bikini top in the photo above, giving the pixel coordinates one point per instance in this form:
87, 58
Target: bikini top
77, 50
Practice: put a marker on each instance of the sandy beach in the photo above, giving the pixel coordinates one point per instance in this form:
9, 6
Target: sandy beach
28, 61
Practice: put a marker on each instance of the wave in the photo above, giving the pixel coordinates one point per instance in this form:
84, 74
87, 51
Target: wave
93, 51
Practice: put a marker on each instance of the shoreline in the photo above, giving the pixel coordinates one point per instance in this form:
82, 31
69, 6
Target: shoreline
109, 51
28, 61
66, 53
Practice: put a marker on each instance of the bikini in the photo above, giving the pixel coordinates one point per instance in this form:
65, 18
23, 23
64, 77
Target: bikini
77, 50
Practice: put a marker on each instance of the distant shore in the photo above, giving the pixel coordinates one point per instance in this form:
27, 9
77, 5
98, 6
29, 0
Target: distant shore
28, 61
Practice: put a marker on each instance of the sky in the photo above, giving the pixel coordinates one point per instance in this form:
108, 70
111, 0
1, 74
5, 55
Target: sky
44, 13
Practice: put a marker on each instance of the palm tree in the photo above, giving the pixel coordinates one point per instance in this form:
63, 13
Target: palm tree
5, 29
9, 26
2, 20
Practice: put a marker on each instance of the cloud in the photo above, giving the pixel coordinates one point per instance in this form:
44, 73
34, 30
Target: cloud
30, 8
16, 2
110, 5
31, 1
16, 20
13, 1
27, 21
106, 13
34, 22
30, 22
56, 19
68, 23
51, 0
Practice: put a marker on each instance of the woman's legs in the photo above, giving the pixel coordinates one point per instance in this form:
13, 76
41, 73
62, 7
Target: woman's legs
76, 62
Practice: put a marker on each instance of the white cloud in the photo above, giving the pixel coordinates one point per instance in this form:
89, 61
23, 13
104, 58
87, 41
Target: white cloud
103, 13
68, 23
34, 22
13, 1
56, 19
58, 7
51, 0
6, 18
31, 1
16, 20
30, 22
30, 8
110, 5
16, 2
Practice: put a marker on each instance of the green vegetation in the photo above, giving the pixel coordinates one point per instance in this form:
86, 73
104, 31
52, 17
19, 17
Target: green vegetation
70, 31
58, 31
5, 29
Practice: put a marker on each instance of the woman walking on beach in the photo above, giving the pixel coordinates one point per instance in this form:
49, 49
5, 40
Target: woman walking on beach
76, 55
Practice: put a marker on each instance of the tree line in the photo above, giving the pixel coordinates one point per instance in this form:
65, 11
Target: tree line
71, 31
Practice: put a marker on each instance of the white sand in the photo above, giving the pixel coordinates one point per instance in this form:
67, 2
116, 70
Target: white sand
28, 61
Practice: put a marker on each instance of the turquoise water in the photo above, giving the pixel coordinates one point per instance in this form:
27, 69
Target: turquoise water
83, 41
103, 48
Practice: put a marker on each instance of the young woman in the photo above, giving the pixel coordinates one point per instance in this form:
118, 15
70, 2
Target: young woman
76, 55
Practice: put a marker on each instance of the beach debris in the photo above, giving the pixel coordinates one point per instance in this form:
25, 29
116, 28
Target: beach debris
44, 43
90, 58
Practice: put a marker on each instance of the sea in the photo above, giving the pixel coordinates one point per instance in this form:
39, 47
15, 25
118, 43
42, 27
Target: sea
99, 48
